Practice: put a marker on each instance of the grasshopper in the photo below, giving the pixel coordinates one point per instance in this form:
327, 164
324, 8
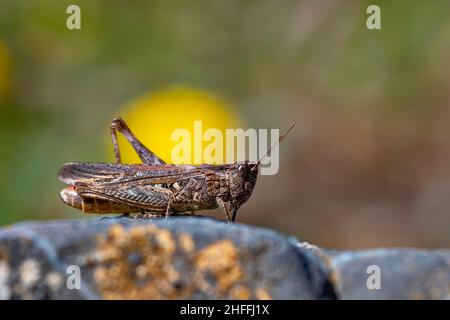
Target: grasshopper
155, 186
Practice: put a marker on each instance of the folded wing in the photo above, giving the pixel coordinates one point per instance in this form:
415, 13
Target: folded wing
95, 174
144, 197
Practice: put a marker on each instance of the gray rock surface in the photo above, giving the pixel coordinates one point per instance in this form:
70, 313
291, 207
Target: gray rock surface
177, 258
202, 258
403, 274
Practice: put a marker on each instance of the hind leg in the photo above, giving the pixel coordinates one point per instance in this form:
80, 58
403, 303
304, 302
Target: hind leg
147, 157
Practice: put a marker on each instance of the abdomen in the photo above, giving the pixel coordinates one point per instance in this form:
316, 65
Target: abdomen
94, 203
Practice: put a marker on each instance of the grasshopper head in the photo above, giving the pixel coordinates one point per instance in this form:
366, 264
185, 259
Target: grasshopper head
242, 181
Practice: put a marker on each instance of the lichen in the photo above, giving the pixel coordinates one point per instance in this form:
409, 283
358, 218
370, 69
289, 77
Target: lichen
147, 262
30, 273
54, 280
222, 261
137, 264
186, 242
262, 294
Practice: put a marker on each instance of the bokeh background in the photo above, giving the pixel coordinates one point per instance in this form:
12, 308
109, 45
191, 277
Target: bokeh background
368, 163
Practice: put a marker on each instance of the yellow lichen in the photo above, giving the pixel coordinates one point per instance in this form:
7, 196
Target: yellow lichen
165, 240
186, 242
221, 259
138, 263
54, 280
262, 294
240, 292
29, 272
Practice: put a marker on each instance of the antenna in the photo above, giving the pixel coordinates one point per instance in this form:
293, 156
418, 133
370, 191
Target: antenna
272, 146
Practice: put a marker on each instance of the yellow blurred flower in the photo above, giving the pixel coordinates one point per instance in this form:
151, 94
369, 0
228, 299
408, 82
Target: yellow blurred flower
154, 117
4, 70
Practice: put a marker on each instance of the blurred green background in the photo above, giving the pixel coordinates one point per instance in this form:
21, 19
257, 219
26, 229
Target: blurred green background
367, 165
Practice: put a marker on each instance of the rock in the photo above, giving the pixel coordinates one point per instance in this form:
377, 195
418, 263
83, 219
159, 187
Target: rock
177, 258
403, 274
202, 258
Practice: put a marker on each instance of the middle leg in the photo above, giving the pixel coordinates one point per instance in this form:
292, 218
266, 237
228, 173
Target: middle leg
223, 205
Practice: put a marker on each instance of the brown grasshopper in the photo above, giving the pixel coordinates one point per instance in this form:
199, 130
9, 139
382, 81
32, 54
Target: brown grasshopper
155, 186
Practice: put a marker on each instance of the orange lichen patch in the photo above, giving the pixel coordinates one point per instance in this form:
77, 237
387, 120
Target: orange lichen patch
222, 260
240, 292
186, 242
166, 241
262, 294
139, 263
117, 232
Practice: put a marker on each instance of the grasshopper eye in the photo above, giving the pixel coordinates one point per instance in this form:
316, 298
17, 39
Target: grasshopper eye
240, 168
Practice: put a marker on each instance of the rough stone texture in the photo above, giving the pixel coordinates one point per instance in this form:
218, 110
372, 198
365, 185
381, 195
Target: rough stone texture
200, 258
405, 274
177, 258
